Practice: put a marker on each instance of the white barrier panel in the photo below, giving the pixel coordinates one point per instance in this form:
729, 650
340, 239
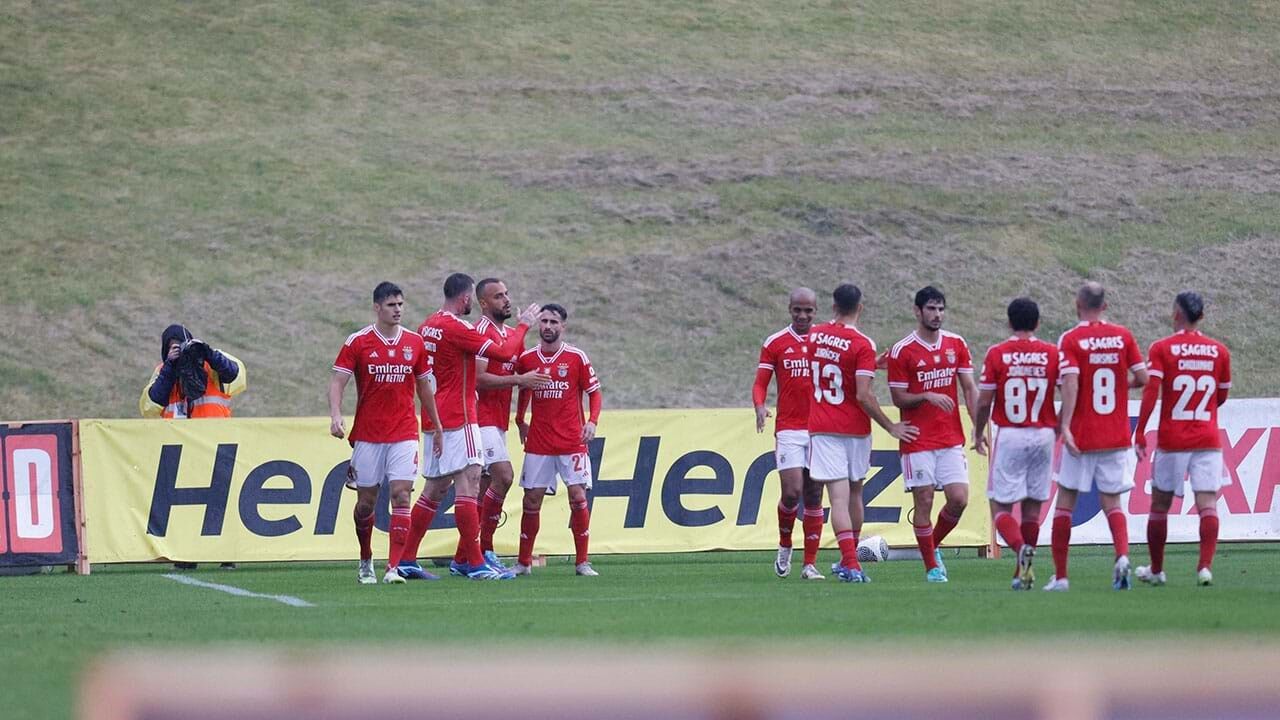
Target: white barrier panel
1247, 507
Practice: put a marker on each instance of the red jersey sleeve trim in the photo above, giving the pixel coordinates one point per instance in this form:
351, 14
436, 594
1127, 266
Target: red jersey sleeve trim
865, 373
987, 386
340, 369
1155, 373
1069, 370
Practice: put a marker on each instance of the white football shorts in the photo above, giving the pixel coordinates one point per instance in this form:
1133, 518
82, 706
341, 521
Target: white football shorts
540, 471
792, 449
935, 468
371, 462
1203, 467
839, 457
495, 446
462, 447
1107, 469
1021, 464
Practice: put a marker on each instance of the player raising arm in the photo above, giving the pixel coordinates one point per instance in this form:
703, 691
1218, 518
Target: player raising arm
1018, 379
1193, 373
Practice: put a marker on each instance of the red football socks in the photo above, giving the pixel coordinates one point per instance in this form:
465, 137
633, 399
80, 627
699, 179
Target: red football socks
924, 540
490, 514
786, 524
848, 549
529, 523
1208, 537
467, 516
1061, 541
812, 526
1119, 530
1009, 530
580, 524
1031, 532
364, 533
399, 532
424, 512
1157, 535
946, 523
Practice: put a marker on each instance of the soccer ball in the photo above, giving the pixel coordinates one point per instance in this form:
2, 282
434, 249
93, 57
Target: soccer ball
873, 549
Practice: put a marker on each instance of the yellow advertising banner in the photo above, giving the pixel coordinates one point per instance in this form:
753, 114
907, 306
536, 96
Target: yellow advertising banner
272, 489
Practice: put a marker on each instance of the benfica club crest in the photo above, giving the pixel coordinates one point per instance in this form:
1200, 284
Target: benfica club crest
562, 370
1176, 350
951, 356
408, 353
1008, 358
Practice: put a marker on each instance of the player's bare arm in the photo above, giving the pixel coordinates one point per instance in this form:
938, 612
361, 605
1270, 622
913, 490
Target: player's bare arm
904, 400
427, 397
981, 416
871, 406
594, 399
533, 379
522, 406
1070, 391
969, 391
337, 384
1138, 377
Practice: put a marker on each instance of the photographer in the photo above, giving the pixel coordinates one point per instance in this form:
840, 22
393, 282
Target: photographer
193, 380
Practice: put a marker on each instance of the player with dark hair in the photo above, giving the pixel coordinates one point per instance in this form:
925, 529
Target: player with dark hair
924, 369
555, 439
841, 408
1018, 378
452, 346
1193, 372
389, 365
785, 355
495, 380
1101, 362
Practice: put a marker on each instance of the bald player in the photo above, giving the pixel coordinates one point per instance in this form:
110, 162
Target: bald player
785, 354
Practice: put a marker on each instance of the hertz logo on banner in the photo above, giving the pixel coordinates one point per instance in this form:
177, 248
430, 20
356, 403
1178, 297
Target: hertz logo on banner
38, 525
259, 489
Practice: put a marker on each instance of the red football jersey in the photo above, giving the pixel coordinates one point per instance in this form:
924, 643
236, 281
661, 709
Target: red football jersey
494, 406
387, 372
786, 354
1023, 374
1191, 368
1102, 354
555, 427
839, 354
917, 367
452, 345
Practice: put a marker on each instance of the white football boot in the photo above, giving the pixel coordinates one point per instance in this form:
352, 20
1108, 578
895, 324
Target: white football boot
809, 572
366, 575
782, 564
585, 570
392, 577
1144, 574
1056, 585
519, 569
1204, 578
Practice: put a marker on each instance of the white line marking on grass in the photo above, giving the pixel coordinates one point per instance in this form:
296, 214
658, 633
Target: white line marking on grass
241, 592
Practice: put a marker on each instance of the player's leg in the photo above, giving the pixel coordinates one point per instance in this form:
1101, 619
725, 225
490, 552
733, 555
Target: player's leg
466, 513
1075, 474
366, 503
580, 527
436, 484
792, 489
952, 474
530, 520
918, 477
1205, 474
1112, 479
1157, 533
1039, 479
813, 520
500, 476
848, 569
398, 532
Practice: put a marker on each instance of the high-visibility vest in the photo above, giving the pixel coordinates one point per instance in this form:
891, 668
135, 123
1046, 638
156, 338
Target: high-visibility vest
215, 403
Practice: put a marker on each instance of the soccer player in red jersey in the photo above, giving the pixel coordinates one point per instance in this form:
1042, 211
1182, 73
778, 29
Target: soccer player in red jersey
1193, 371
1101, 361
1015, 392
841, 408
785, 354
494, 381
924, 369
452, 345
555, 439
388, 365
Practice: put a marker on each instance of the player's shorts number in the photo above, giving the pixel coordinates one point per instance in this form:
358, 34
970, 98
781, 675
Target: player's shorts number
1019, 393
833, 393
579, 462
1104, 391
1187, 386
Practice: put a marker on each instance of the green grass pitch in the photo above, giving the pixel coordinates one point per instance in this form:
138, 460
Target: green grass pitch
55, 624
